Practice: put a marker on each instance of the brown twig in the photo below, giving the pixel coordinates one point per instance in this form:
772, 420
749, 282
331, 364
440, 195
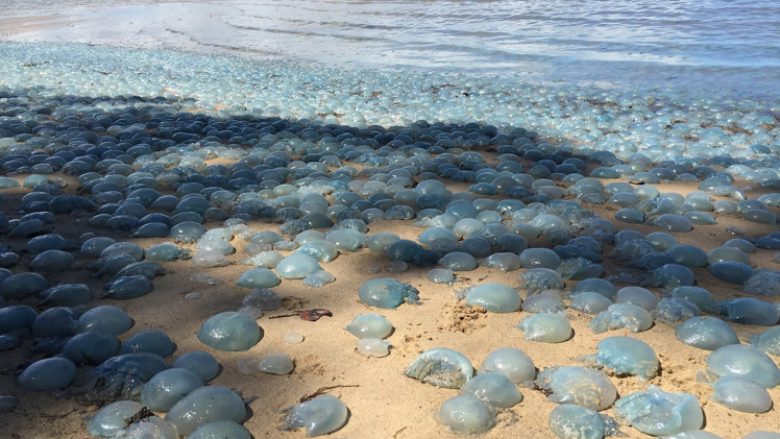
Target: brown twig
323, 390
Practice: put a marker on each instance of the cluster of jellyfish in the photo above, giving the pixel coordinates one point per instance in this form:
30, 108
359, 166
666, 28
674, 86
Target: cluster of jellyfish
133, 168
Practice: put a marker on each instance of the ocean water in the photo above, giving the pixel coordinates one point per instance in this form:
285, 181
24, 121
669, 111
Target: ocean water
711, 47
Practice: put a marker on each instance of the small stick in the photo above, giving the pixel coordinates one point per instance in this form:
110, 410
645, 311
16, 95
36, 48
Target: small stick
323, 390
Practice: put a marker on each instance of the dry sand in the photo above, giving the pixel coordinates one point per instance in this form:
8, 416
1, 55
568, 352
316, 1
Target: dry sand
383, 403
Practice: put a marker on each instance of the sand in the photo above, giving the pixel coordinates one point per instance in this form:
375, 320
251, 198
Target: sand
383, 403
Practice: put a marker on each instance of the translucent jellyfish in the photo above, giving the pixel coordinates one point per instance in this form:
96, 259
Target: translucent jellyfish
373, 347
536, 280
762, 435
128, 287
122, 376
627, 356
318, 279
151, 427
546, 328
265, 259
763, 283
323, 251
441, 276
187, 232
544, 302
458, 261
504, 261
731, 271
154, 341
206, 404
742, 395
673, 310
513, 363
671, 276
52, 261
21, 285
346, 239
319, 416
111, 419
387, 293
466, 415
55, 322
494, 297
370, 325
751, 311
706, 332
622, 315
698, 296
220, 430
494, 389
258, 278
441, 367
167, 387
746, 362
48, 374
768, 341
90, 347
297, 266
586, 387
107, 319
596, 285
637, 296
569, 421
66, 295
590, 302
163, 252
693, 434
380, 242
230, 331
688, 255
276, 364
673, 222
659, 413
203, 364
539, 258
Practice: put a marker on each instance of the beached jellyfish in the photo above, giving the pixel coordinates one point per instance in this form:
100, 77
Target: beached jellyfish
346, 239
412, 253
154, 341
55, 322
127, 287
512, 363
111, 419
741, 394
151, 427
590, 302
746, 362
548, 301
441, 367
493, 297
373, 347
65, 295
258, 278
370, 325
122, 376
622, 315
265, 259
673, 222
203, 405
319, 416
20, 285
706, 332
441, 276
693, 434
220, 430
230, 331
546, 328
380, 242
8, 403
569, 421
494, 389
149, 270
637, 296
466, 415
536, 280
768, 341
322, 250
670, 276
503, 261
203, 364
539, 258
167, 387
660, 413
458, 261
698, 296
387, 293
763, 283
730, 271
762, 435
48, 374
297, 266
577, 385
596, 285
90, 347
16, 317
627, 356
752, 311
672, 310
688, 255
187, 232
276, 364
106, 319
52, 261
